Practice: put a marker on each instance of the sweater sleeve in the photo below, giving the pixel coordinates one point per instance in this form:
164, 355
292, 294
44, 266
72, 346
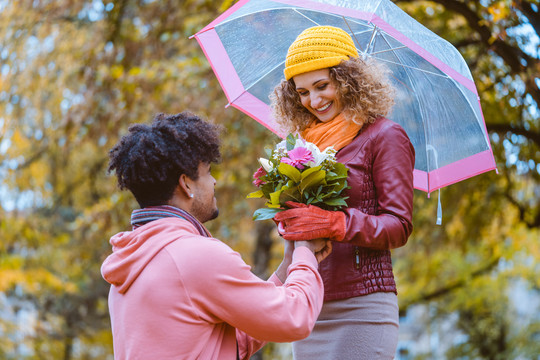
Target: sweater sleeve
225, 290
393, 165
247, 345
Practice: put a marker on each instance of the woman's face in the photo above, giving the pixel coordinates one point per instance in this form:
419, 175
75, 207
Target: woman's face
318, 94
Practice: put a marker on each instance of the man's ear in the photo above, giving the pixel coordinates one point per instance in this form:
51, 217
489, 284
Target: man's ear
185, 185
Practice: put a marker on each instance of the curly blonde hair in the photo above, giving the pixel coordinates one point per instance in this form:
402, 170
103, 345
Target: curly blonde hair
363, 88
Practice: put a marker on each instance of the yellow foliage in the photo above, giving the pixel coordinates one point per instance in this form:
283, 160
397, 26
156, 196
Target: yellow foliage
225, 5
117, 71
9, 278
19, 143
38, 173
135, 71
34, 281
498, 11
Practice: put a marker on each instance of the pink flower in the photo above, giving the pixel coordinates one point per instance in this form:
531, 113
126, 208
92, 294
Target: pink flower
257, 177
298, 157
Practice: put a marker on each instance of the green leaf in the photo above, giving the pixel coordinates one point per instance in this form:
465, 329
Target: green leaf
274, 197
310, 171
264, 213
335, 202
292, 194
329, 194
313, 179
255, 194
336, 177
340, 169
290, 171
291, 141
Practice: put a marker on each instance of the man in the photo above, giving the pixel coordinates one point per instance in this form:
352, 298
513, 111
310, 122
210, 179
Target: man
177, 292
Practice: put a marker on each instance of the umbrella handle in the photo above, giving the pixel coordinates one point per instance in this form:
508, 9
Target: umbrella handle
439, 209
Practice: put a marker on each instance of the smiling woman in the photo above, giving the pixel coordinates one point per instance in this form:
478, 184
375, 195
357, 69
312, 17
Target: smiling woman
360, 89
318, 94
333, 98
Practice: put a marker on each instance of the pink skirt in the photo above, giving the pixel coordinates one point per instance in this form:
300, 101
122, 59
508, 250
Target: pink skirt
363, 327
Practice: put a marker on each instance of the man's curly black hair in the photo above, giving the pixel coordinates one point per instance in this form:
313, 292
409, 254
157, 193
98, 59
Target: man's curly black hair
150, 159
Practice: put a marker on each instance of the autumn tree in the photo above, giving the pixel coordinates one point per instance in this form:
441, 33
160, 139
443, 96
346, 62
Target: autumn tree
75, 74
488, 244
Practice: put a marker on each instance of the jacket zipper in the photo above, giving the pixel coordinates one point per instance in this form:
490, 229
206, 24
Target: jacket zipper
357, 256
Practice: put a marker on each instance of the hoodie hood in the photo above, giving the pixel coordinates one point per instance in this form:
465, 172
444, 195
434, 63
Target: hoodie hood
133, 250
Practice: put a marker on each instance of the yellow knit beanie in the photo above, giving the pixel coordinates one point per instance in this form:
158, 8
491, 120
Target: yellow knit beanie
317, 48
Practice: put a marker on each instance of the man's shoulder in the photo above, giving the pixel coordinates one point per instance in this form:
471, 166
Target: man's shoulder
186, 237
198, 256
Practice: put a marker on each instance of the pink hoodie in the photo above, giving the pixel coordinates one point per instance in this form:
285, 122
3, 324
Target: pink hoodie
178, 295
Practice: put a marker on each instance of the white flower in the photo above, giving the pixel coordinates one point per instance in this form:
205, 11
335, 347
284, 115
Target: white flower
315, 153
330, 154
266, 164
320, 156
282, 146
300, 143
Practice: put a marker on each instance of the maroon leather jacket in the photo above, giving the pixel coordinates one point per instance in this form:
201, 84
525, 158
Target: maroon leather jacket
379, 214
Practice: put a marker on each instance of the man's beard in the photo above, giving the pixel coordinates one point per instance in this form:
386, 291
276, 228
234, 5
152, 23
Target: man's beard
211, 216
214, 215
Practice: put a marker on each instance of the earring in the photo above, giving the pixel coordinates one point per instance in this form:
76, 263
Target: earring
191, 196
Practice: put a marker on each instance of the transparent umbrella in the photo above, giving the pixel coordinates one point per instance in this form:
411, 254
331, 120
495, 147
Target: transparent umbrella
437, 102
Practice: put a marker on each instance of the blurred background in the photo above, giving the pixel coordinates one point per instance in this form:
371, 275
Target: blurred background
74, 74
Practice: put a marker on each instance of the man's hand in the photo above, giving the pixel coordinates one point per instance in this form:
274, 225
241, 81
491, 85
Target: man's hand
321, 248
324, 252
281, 271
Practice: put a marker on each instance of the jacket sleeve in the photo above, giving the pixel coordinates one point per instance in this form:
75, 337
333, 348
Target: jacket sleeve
393, 165
227, 291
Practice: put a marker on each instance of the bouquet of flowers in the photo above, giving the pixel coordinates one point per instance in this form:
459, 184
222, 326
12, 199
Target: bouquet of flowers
298, 171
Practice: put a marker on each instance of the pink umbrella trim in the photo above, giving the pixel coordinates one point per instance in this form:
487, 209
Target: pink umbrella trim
454, 172
213, 49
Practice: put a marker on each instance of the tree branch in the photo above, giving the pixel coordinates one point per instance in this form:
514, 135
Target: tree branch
533, 16
450, 287
521, 209
517, 60
505, 128
117, 21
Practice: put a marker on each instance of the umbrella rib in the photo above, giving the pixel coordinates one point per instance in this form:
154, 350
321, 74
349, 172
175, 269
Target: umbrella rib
399, 63
371, 40
422, 115
354, 35
267, 10
250, 86
263, 76
396, 48
414, 68
313, 21
329, 14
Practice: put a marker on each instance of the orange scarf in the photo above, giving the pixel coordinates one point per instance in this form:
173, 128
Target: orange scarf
338, 132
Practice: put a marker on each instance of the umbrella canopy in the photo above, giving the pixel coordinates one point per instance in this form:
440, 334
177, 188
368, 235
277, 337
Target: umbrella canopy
436, 99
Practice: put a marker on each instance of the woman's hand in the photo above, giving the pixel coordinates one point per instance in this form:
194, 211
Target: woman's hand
303, 222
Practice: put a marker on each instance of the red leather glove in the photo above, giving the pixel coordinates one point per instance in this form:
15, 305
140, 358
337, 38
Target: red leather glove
290, 204
303, 222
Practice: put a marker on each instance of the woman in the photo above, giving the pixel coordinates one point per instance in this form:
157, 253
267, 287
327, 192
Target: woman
333, 98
